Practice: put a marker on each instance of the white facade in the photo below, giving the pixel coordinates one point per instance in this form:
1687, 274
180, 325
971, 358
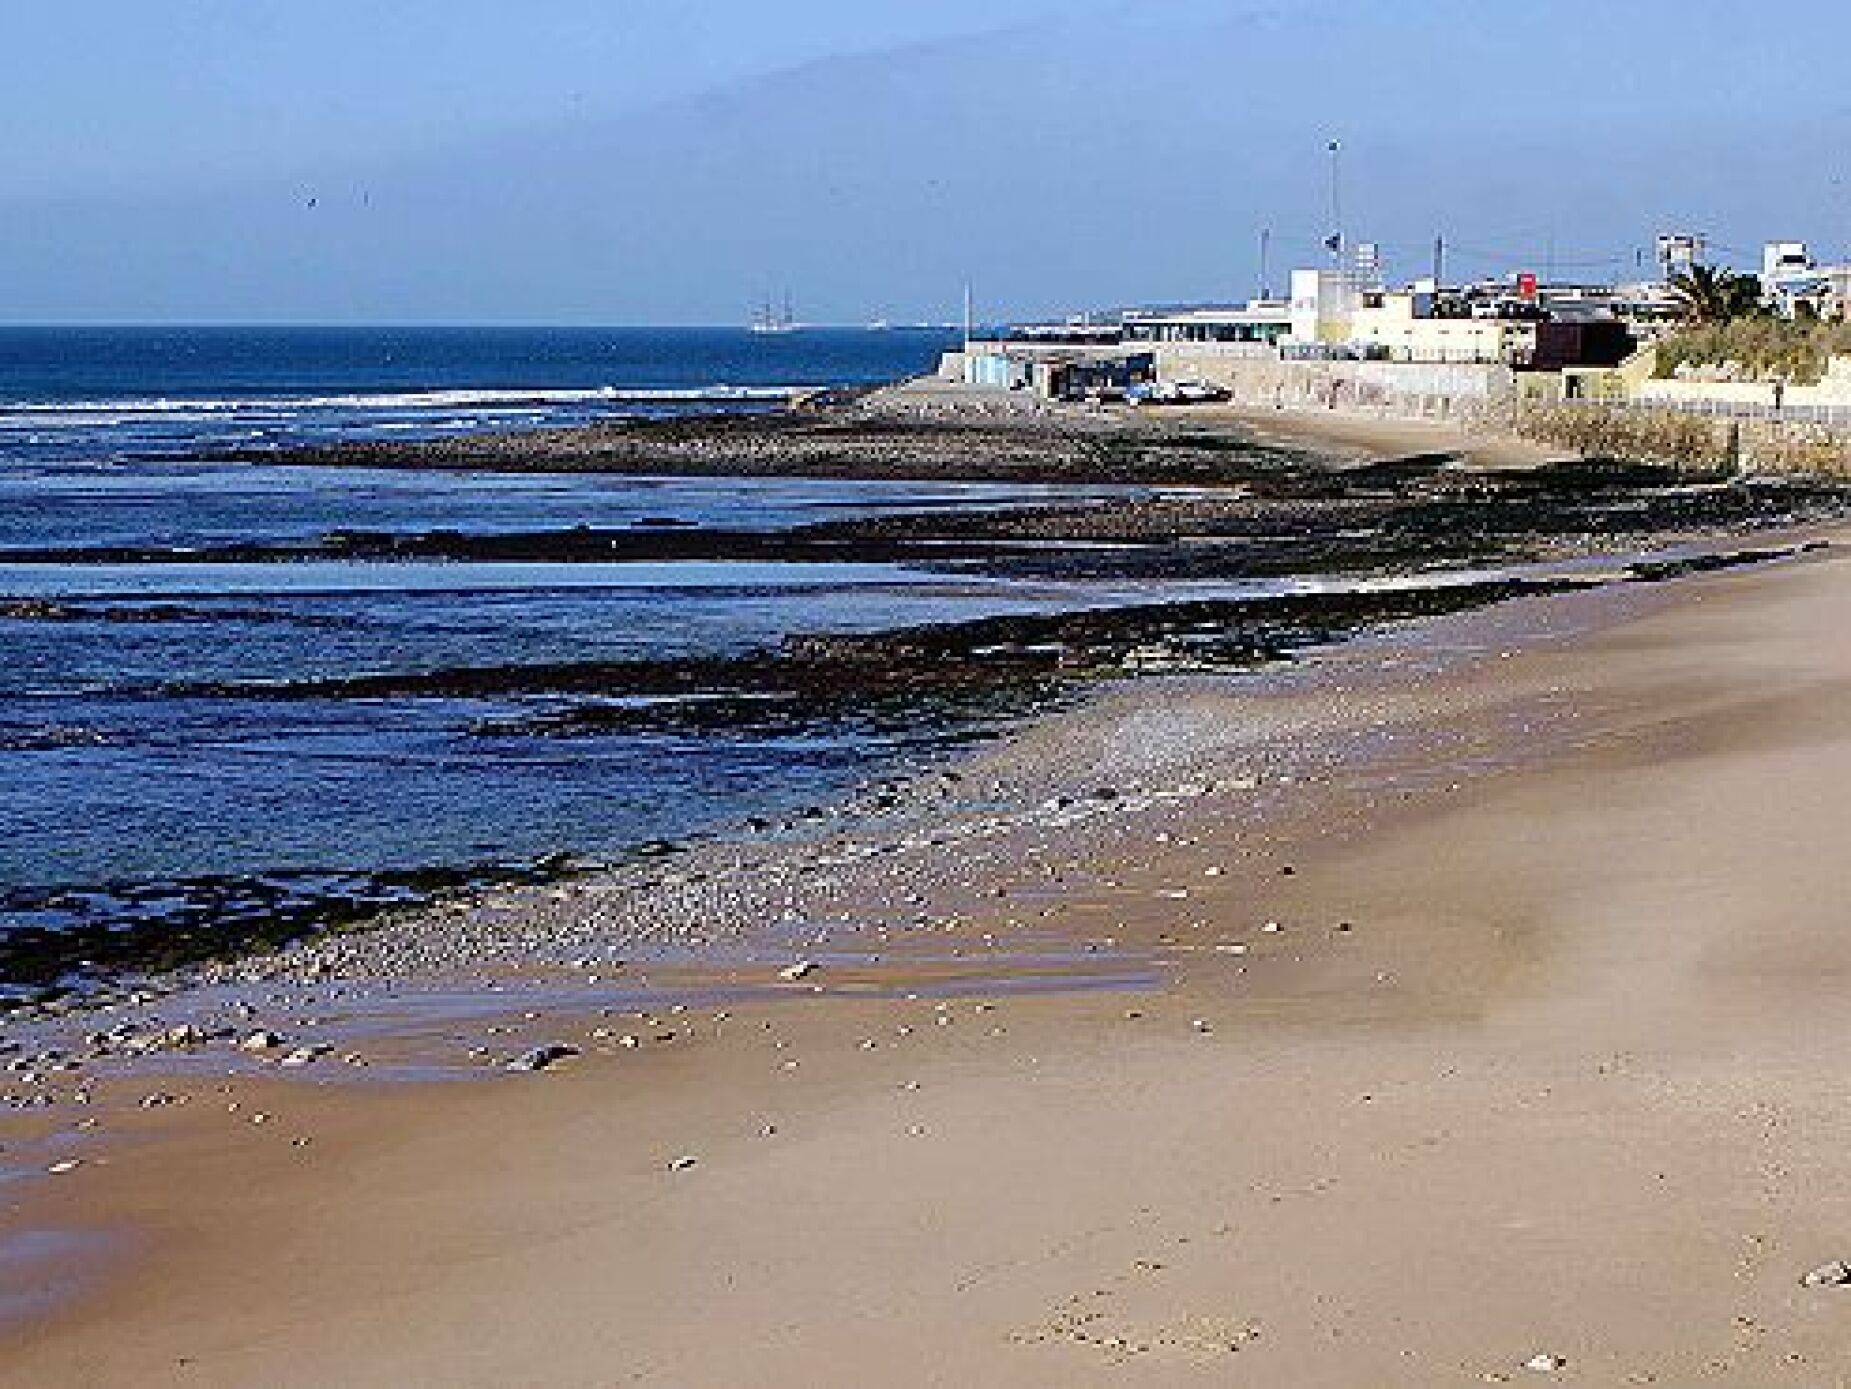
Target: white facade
1332, 310
1254, 326
1782, 260
1323, 304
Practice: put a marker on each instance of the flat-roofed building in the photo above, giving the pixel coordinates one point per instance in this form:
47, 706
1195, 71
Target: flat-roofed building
1260, 324
1053, 370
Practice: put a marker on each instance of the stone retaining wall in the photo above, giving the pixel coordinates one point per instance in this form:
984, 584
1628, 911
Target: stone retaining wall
1699, 443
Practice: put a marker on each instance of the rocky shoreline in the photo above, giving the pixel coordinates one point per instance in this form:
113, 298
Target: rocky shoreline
883, 434
1259, 519
934, 685
1209, 505
1270, 518
1243, 972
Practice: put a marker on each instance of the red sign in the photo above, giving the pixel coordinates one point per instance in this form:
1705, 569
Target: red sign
1526, 285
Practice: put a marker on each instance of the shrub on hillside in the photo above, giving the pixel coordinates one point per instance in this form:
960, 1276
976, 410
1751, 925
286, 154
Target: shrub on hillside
1760, 348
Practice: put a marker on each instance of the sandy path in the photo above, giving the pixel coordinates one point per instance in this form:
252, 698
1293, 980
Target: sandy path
1568, 1085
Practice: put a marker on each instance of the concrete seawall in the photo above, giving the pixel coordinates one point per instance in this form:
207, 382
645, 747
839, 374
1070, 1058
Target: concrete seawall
1401, 389
1486, 400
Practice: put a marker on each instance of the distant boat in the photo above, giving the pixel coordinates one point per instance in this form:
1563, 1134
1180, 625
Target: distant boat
769, 322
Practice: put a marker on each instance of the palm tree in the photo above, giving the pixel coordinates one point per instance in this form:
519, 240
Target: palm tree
1708, 294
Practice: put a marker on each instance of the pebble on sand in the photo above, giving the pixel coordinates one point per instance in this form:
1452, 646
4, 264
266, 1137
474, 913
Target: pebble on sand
540, 1058
1836, 1274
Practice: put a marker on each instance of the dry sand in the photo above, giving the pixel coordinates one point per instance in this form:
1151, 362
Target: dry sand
1384, 436
1541, 1061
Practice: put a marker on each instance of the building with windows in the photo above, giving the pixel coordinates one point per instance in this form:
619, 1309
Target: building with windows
1259, 325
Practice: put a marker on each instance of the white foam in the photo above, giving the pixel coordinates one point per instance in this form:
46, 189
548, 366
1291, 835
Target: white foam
127, 411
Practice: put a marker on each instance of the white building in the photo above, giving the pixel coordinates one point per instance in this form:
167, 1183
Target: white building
1783, 260
1252, 328
1323, 306
1679, 251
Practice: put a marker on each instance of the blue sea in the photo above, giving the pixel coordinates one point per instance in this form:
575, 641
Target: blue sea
86, 395
123, 787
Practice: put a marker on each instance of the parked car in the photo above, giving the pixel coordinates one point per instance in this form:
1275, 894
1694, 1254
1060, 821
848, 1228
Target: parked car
1177, 393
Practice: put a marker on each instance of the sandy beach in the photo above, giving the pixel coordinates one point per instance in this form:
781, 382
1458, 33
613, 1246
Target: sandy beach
1450, 1008
1382, 436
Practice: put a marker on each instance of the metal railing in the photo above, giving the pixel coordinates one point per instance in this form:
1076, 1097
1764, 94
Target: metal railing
1831, 416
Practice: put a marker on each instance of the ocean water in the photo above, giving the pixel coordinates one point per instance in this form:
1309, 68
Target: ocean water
142, 768
90, 394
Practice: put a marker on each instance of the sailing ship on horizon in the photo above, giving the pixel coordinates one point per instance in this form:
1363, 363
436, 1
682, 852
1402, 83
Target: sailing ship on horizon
769, 321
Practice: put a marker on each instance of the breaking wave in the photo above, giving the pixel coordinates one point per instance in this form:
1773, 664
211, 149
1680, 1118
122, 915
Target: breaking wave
82, 413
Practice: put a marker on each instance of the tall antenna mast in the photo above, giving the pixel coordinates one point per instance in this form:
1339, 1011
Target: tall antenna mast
1336, 241
1266, 256
967, 315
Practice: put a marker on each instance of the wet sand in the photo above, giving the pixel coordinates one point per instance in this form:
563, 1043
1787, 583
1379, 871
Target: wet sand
1450, 1000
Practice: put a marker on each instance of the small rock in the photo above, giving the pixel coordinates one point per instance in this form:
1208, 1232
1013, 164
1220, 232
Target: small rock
540, 1058
1833, 1275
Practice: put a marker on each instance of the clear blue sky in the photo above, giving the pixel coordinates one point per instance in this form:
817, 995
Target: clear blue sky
645, 161
102, 95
